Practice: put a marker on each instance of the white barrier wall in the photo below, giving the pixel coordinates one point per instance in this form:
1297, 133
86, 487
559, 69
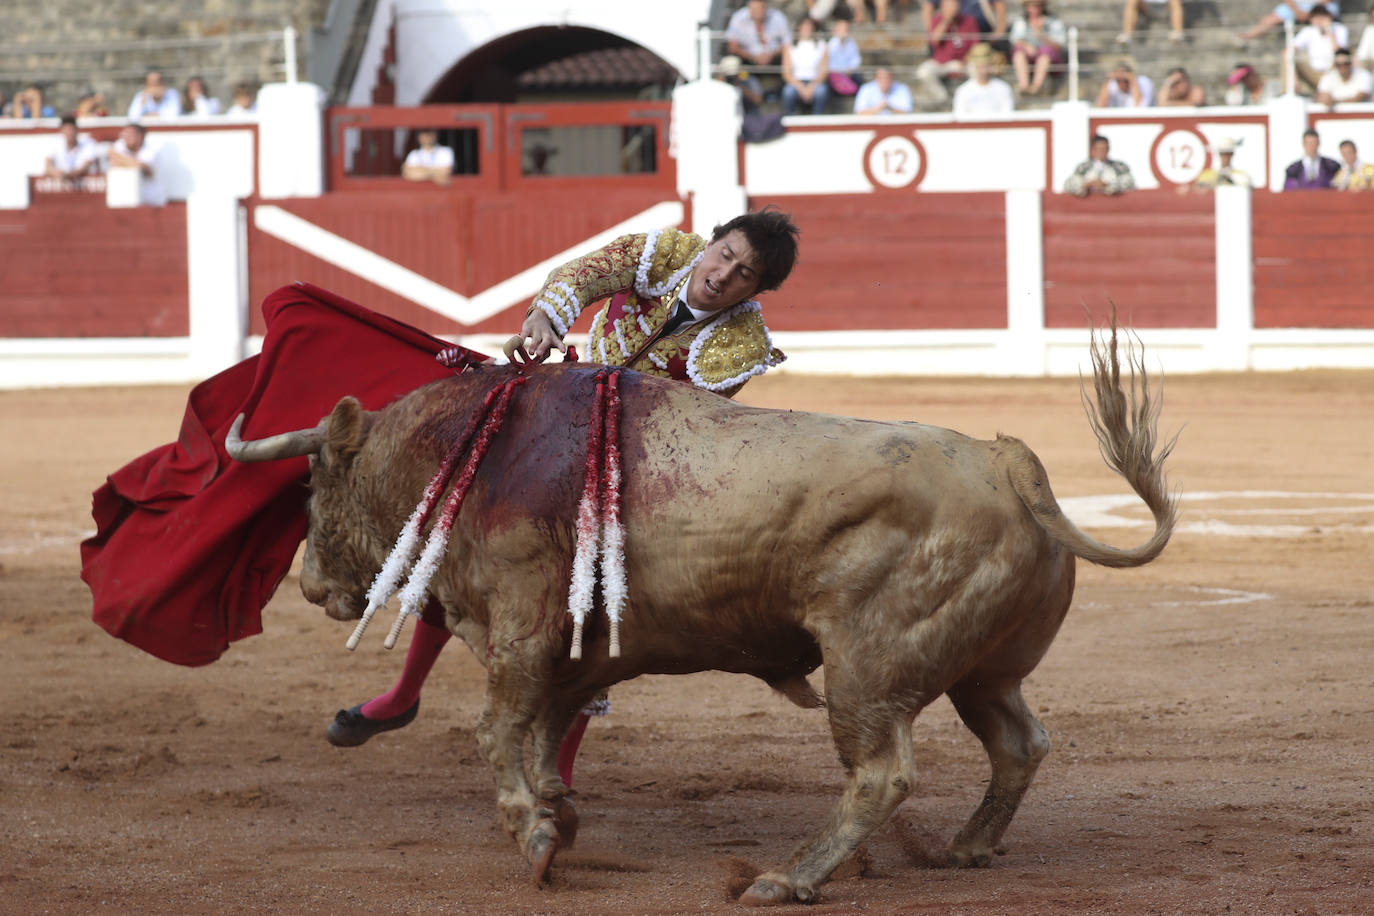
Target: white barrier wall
212, 165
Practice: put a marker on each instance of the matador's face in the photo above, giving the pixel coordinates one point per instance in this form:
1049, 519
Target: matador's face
727, 275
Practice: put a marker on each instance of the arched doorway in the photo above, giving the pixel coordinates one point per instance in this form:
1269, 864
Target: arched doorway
555, 63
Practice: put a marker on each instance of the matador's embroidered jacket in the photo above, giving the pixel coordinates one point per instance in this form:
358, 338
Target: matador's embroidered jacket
644, 275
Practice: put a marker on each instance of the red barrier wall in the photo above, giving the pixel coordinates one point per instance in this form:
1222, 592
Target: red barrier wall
888, 261
1312, 260
75, 268
465, 242
1153, 253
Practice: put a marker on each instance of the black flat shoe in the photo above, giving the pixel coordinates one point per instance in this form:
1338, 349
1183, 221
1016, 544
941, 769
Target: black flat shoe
351, 728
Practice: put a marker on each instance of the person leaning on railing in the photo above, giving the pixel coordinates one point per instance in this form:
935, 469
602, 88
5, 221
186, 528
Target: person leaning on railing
429, 161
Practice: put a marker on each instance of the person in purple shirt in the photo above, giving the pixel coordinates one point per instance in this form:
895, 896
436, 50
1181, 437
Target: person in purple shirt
1313, 172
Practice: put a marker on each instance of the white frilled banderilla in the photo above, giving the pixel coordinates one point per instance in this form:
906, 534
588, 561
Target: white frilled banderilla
599, 528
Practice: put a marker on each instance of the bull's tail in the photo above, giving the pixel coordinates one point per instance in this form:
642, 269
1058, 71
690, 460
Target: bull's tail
1125, 422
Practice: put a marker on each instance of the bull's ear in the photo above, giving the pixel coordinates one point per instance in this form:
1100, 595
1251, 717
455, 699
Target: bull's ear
348, 427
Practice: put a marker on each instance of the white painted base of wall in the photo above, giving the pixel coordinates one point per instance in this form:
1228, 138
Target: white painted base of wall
51, 363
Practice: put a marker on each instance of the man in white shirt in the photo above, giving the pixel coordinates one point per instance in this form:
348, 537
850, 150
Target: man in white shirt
1345, 82
429, 161
1364, 54
133, 150
1315, 46
74, 156
1123, 88
155, 100
982, 93
883, 95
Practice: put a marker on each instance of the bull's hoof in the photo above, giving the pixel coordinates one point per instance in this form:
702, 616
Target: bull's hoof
540, 849
767, 891
565, 819
974, 858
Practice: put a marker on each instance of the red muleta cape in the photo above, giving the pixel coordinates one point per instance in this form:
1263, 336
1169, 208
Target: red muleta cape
190, 544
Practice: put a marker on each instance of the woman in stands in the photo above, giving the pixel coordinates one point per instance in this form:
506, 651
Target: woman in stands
1037, 43
196, 99
805, 71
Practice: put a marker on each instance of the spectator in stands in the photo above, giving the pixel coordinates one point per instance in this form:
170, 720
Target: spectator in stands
1100, 174
820, 10
1037, 43
197, 100
1345, 82
245, 100
952, 34
91, 104
1364, 54
133, 150
883, 95
1354, 174
1287, 11
731, 72
1247, 86
983, 93
429, 161
155, 100
757, 33
1123, 88
1131, 15
991, 16
1224, 174
879, 10
1179, 90
805, 73
28, 103
74, 156
1313, 172
843, 59
1315, 46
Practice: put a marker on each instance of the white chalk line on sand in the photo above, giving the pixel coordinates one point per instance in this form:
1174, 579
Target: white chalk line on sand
1224, 596
1102, 512
12, 546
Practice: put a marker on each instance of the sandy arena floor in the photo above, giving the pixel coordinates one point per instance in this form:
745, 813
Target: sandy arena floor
1211, 714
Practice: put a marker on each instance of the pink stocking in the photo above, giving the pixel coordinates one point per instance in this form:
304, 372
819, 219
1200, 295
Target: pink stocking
426, 643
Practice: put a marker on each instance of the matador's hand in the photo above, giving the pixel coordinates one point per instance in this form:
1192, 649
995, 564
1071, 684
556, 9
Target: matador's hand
539, 339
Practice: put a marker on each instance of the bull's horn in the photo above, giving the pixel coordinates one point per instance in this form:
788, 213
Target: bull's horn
285, 445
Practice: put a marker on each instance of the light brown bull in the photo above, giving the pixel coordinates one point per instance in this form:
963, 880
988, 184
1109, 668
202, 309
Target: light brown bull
910, 561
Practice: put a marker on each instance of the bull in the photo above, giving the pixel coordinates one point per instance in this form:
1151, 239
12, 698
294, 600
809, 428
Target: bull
910, 561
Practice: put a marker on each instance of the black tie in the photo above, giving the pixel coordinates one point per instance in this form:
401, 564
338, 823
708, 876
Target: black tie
680, 317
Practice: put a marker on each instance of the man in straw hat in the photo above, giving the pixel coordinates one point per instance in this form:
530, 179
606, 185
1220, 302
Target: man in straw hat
1223, 174
983, 93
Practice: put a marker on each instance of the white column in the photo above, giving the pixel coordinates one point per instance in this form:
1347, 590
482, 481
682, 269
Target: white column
14, 187
1235, 278
1287, 121
216, 290
705, 125
290, 140
1069, 141
1025, 282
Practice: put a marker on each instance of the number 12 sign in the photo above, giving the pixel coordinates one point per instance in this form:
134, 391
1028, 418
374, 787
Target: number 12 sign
894, 162
1179, 156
